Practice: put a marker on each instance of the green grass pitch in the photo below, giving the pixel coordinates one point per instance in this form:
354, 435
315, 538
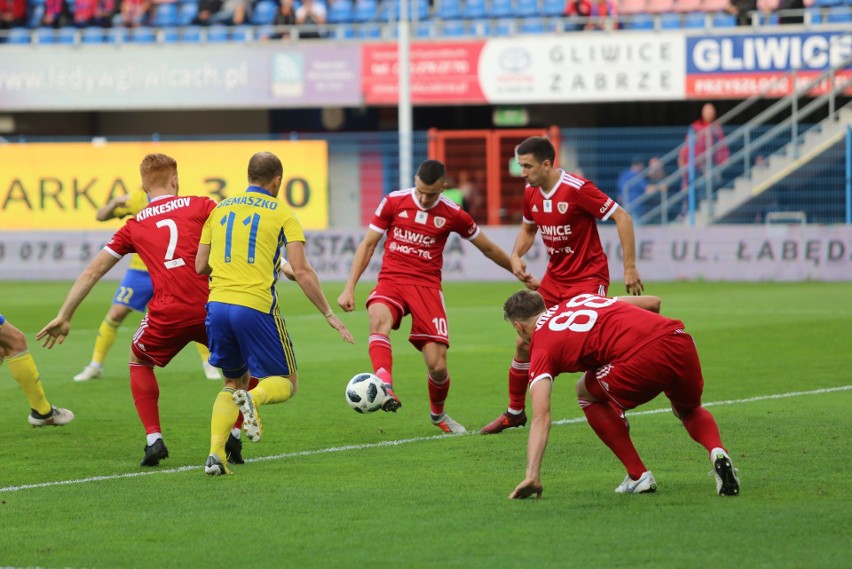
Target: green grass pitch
331, 488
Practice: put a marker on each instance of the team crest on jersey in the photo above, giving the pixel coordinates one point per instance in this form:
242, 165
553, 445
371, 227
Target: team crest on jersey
421, 217
440, 221
562, 207
404, 214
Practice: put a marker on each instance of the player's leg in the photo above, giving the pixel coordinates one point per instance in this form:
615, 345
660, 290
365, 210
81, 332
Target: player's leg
211, 372
385, 311
22, 367
519, 370
134, 293
234, 444
265, 341
608, 425
685, 396
435, 358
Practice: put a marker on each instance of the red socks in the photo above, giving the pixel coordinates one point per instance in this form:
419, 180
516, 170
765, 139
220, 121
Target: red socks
146, 394
702, 427
519, 381
610, 428
381, 356
438, 395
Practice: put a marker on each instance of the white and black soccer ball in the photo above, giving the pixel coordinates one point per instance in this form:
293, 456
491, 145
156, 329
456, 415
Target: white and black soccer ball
366, 393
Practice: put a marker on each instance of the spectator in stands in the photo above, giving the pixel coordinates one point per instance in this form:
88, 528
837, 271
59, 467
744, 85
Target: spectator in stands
791, 11
155, 5
206, 10
742, 10
133, 13
708, 134
56, 14
632, 186
310, 13
13, 14
232, 13
93, 13
596, 13
286, 16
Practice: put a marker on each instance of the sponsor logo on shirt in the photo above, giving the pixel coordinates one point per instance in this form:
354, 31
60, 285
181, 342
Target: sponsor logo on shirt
555, 230
413, 237
606, 205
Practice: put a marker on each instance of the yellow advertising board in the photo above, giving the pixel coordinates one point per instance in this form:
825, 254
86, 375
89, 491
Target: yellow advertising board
61, 186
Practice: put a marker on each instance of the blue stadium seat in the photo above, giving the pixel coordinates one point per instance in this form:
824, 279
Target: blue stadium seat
640, 22
424, 30
142, 35
36, 14
265, 32
45, 35
365, 10
263, 13
93, 35
165, 15
453, 29
368, 31
421, 8
474, 9
187, 14
813, 15
19, 36
217, 33
170, 35
479, 28
191, 34
503, 27
552, 7
724, 20
669, 21
531, 25
527, 8
117, 35
826, 3
694, 20
340, 11
241, 33
838, 15
66, 36
501, 9
449, 9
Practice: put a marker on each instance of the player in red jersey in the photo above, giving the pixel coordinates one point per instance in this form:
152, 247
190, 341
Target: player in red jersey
417, 222
166, 235
566, 209
630, 356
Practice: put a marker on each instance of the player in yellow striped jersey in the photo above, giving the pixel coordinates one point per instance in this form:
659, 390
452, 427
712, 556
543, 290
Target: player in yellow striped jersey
241, 246
134, 293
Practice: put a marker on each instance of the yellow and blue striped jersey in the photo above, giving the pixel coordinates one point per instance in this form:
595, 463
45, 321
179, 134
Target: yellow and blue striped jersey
136, 202
246, 233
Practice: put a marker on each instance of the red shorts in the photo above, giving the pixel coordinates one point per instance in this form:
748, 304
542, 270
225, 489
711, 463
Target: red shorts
426, 306
157, 343
668, 364
554, 293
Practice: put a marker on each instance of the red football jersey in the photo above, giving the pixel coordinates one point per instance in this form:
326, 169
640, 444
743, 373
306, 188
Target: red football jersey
166, 235
566, 217
588, 332
414, 248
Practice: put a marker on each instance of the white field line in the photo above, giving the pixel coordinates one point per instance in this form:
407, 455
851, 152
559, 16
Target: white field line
397, 442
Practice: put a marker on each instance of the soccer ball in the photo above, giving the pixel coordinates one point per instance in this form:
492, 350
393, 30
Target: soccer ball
366, 393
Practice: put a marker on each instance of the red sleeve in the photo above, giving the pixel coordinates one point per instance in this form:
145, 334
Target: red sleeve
527, 210
593, 201
465, 225
121, 243
384, 215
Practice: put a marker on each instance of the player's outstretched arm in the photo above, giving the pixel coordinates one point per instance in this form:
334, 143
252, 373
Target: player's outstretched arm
59, 327
360, 261
499, 256
310, 284
624, 225
539, 433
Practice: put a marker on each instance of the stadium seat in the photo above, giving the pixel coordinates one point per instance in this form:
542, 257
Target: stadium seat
501, 9
241, 33
340, 11
368, 31
421, 8
93, 34
187, 14
117, 35
19, 36
669, 21
66, 36
45, 35
263, 13
142, 35
687, 5
453, 29
552, 7
265, 32
424, 30
448, 9
503, 27
36, 14
827, 3
631, 7
479, 28
724, 20
169, 35
365, 10
165, 15
527, 9
640, 22
191, 34
532, 26
694, 20
217, 33
659, 6
474, 9
838, 15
